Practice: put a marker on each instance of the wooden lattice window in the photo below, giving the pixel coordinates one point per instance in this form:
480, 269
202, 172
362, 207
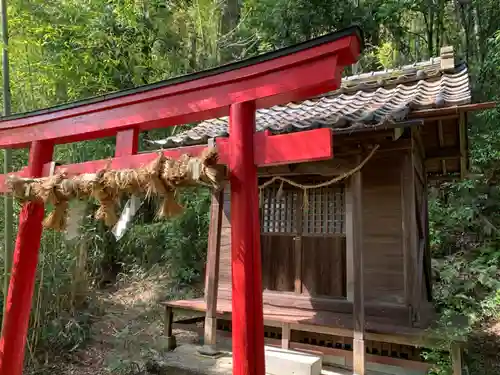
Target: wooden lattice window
279, 211
326, 211
283, 212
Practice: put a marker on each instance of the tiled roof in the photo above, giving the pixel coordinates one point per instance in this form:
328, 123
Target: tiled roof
369, 100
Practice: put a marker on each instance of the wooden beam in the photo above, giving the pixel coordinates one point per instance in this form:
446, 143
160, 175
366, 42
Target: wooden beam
297, 244
270, 150
212, 270
398, 314
290, 148
169, 321
409, 225
350, 232
359, 360
271, 79
297, 248
332, 167
455, 110
442, 153
441, 143
127, 142
418, 142
463, 144
456, 358
246, 264
285, 336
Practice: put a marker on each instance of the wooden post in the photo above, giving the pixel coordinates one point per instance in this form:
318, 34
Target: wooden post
25, 260
169, 322
247, 315
127, 142
358, 296
409, 231
456, 358
350, 232
285, 335
463, 144
212, 273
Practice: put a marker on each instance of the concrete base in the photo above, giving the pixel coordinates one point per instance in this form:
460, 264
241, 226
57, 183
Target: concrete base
287, 362
209, 351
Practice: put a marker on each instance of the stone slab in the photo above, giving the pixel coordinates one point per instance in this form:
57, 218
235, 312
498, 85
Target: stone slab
288, 362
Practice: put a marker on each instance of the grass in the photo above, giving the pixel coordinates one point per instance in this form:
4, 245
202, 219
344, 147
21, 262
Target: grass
127, 332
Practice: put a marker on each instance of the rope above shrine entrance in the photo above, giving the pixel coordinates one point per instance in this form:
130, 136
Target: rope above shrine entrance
306, 187
160, 178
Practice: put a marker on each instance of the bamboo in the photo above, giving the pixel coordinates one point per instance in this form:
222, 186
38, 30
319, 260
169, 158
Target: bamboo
7, 166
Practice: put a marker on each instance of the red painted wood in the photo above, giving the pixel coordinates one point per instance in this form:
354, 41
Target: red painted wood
288, 78
269, 150
248, 328
21, 173
22, 281
127, 142
346, 48
289, 148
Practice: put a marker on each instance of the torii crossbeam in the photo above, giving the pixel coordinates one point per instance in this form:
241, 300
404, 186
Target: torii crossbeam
237, 90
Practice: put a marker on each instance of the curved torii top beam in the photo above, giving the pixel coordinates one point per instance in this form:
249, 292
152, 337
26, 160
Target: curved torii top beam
289, 74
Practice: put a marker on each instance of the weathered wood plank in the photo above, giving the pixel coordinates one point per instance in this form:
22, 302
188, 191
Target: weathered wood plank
285, 336
359, 360
409, 226
169, 321
278, 263
212, 270
441, 143
350, 233
463, 144
456, 358
298, 264
323, 266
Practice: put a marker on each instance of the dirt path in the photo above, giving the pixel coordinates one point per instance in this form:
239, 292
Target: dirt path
130, 330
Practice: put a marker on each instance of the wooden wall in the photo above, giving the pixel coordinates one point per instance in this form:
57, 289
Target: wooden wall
225, 246
383, 250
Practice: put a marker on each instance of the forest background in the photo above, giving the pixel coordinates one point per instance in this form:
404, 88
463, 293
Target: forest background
64, 50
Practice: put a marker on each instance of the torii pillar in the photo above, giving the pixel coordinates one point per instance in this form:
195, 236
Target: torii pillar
291, 74
248, 325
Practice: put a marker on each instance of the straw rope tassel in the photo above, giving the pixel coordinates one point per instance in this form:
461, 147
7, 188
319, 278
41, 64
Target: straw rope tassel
161, 178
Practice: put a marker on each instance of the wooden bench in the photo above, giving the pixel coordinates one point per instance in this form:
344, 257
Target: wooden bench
288, 319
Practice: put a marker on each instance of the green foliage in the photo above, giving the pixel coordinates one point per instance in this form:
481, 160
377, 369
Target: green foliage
69, 50
179, 243
465, 234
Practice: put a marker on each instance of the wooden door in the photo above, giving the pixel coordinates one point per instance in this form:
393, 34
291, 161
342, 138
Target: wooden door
279, 227
303, 243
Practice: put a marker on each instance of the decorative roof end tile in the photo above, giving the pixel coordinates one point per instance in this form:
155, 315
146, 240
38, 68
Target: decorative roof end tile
447, 58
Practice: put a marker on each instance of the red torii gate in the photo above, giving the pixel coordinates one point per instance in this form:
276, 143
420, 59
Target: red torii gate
237, 90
